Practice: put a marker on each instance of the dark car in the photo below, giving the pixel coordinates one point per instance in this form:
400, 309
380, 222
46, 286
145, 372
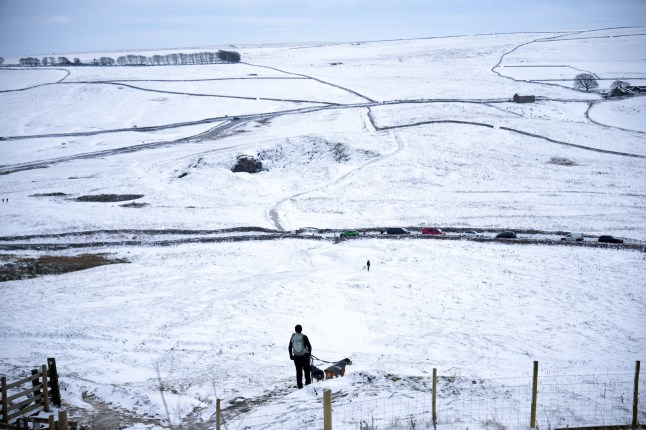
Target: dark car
397, 230
610, 239
506, 235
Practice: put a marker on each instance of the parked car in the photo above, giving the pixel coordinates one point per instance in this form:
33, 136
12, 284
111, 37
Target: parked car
610, 239
574, 236
397, 230
471, 233
506, 235
436, 231
350, 233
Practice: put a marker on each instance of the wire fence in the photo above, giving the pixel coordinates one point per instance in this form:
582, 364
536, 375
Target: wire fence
296, 420
563, 401
494, 403
586, 401
383, 413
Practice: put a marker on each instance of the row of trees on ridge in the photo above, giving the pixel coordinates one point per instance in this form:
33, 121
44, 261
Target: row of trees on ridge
137, 60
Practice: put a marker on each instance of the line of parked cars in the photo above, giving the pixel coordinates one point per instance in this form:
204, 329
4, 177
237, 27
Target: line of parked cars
574, 236
606, 238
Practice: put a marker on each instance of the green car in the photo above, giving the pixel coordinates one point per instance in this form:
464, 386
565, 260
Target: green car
350, 233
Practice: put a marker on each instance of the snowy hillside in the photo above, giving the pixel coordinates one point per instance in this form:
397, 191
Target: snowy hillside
413, 133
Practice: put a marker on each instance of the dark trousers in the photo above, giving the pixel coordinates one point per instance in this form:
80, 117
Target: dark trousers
302, 363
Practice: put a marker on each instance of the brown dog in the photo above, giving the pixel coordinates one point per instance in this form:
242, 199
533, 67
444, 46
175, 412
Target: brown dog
337, 369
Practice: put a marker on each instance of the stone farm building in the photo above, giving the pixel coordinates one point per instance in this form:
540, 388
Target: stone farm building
524, 99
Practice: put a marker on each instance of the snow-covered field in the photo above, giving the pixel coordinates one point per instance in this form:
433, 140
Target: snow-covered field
418, 133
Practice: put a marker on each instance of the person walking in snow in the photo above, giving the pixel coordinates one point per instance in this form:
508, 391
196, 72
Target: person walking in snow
368, 265
299, 351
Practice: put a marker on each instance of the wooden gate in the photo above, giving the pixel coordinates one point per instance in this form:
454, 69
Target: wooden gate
30, 395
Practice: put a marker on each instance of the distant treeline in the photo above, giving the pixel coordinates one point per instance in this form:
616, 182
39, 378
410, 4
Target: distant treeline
138, 60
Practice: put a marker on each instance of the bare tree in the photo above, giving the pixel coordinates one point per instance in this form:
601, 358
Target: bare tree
29, 61
229, 56
585, 81
620, 85
1, 61
77, 61
106, 61
63, 61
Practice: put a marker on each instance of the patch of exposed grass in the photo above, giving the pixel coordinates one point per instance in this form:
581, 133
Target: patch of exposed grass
561, 161
15, 268
108, 198
134, 205
49, 195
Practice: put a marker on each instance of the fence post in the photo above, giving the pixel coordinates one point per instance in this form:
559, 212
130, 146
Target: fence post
45, 390
636, 395
52, 422
434, 396
532, 420
34, 382
53, 381
62, 420
327, 410
5, 413
217, 414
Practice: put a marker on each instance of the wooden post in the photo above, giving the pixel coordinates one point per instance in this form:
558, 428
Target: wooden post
217, 414
62, 420
532, 420
53, 381
52, 422
636, 396
5, 412
34, 382
434, 396
327, 410
45, 390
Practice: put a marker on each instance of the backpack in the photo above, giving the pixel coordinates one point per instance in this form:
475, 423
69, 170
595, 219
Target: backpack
298, 344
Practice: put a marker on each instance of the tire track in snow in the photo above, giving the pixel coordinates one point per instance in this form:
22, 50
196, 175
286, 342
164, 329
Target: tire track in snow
272, 212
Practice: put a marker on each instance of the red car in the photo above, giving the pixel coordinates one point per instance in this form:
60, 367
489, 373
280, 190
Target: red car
432, 231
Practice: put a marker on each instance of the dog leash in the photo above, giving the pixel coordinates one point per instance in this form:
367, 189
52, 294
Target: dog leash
329, 362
